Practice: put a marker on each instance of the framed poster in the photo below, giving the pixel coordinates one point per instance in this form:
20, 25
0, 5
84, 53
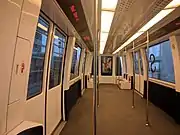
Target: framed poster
106, 65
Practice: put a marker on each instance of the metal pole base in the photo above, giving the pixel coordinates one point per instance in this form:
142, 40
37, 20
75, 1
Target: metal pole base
133, 107
147, 124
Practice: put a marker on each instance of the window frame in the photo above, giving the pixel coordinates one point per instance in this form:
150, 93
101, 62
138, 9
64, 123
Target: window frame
84, 62
45, 56
125, 64
119, 72
56, 28
75, 78
138, 62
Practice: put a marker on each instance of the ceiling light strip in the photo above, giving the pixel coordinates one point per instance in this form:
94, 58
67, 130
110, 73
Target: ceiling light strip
162, 14
107, 14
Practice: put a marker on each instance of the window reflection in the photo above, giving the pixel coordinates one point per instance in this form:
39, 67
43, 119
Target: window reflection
75, 62
119, 66
84, 63
125, 62
161, 62
57, 59
37, 60
141, 63
136, 62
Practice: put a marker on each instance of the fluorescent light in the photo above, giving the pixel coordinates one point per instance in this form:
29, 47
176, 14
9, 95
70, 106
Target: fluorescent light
163, 13
129, 41
42, 27
102, 46
156, 19
109, 4
106, 20
75, 48
56, 37
104, 37
107, 14
173, 4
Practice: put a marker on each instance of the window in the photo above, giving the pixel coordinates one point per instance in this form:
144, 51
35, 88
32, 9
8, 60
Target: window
118, 66
125, 62
161, 62
37, 60
141, 64
75, 62
92, 68
84, 63
59, 43
136, 62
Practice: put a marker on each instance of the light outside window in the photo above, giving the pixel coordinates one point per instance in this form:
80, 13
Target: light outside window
58, 51
37, 60
136, 62
75, 62
161, 62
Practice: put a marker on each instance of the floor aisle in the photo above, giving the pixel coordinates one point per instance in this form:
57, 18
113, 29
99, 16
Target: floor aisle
116, 117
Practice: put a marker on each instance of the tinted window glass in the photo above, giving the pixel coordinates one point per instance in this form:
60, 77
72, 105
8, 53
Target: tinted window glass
141, 64
92, 69
75, 62
37, 60
161, 62
125, 62
136, 62
84, 63
118, 66
57, 59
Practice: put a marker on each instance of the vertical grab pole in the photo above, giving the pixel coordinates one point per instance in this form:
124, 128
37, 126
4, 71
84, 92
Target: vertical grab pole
118, 69
98, 72
133, 106
147, 94
95, 87
95, 68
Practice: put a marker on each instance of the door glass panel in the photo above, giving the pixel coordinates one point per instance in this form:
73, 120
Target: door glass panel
37, 60
75, 62
84, 62
118, 66
59, 42
136, 62
125, 62
141, 64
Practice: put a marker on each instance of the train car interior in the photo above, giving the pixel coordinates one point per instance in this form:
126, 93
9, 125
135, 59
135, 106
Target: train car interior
90, 67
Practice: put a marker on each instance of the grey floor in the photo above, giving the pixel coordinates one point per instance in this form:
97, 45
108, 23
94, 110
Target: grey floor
116, 117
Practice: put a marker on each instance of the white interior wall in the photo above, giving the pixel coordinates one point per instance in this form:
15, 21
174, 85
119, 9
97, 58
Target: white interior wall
67, 67
28, 27
175, 45
19, 23
10, 12
129, 64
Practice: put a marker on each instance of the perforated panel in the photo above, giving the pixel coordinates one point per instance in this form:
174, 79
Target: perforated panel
129, 17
